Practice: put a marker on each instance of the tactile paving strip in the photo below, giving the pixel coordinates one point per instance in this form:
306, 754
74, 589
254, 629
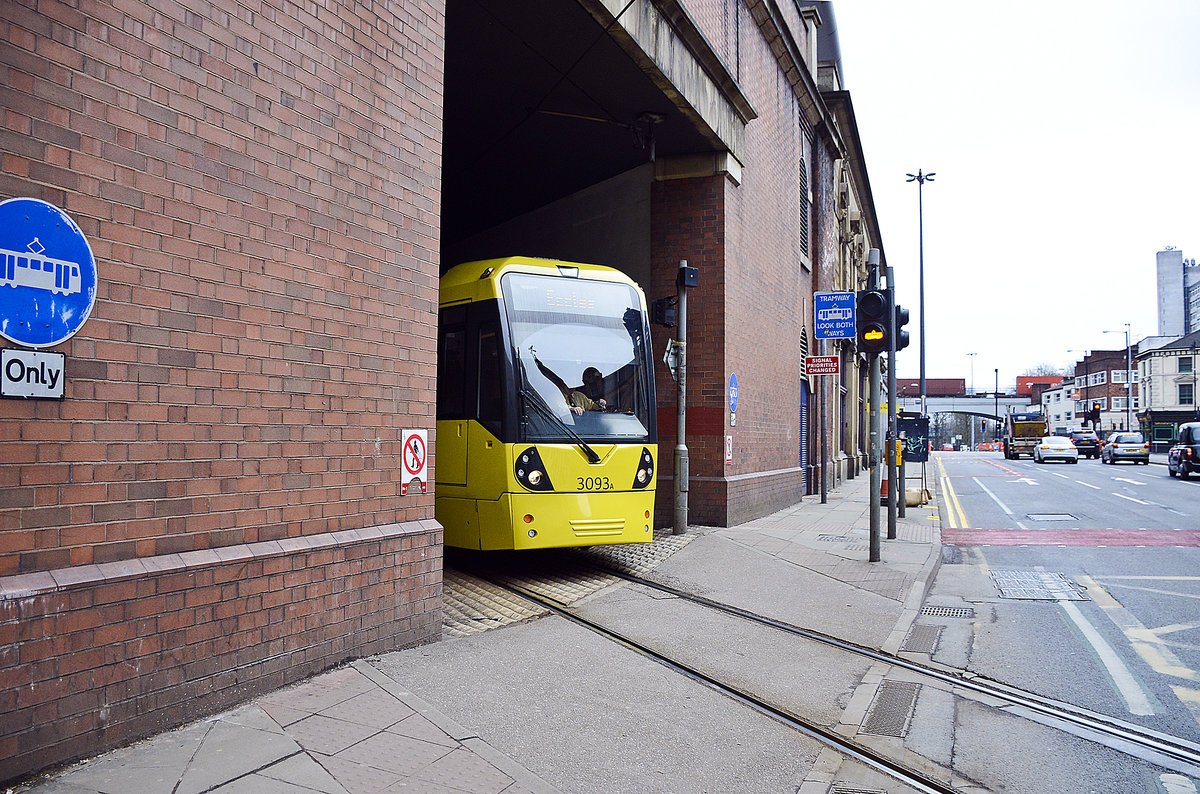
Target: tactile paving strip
473, 605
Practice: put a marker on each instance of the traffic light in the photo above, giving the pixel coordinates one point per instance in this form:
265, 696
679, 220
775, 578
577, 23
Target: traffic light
902, 339
983, 425
1094, 414
872, 312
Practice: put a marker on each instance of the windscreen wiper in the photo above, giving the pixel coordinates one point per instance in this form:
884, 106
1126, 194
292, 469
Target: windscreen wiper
535, 399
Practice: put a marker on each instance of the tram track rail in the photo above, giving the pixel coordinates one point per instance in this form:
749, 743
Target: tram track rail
1155, 746
877, 761
1160, 749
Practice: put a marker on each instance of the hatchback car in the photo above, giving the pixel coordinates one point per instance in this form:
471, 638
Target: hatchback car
1086, 442
1055, 448
1183, 458
1125, 446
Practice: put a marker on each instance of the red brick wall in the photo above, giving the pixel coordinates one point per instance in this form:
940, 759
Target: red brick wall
687, 222
93, 656
260, 188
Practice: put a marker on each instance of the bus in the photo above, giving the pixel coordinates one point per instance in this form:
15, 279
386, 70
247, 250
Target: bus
546, 423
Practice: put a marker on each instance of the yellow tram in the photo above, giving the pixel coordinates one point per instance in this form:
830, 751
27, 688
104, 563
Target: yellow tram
546, 431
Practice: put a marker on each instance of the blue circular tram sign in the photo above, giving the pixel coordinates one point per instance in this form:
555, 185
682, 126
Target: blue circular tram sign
47, 274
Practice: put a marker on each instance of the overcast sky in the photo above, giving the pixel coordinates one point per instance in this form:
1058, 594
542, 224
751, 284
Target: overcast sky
1065, 138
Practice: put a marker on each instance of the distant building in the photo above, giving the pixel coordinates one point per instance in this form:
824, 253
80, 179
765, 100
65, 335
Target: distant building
1168, 383
1032, 386
1101, 378
1059, 408
1178, 294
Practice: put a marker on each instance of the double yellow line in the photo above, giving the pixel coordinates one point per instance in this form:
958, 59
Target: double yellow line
954, 511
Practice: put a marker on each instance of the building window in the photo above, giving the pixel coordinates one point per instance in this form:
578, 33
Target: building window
1118, 376
1098, 378
1120, 403
1186, 396
1186, 363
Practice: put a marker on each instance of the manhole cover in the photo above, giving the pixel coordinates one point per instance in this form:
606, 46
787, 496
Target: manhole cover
1037, 586
947, 612
1051, 517
892, 708
922, 638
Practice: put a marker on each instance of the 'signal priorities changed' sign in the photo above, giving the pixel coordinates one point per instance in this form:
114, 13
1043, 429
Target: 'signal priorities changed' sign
822, 365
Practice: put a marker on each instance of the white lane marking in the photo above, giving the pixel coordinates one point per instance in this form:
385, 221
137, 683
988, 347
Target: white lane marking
1131, 482
1136, 699
1176, 784
1003, 506
1130, 498
1088, 484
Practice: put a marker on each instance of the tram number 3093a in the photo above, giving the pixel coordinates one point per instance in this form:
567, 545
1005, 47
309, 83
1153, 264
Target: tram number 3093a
546, 418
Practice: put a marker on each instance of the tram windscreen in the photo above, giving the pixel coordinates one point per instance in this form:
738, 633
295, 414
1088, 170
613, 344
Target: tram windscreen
581, 346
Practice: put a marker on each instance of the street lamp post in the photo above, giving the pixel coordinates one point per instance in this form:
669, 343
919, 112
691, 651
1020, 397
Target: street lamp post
921, 178
996, 410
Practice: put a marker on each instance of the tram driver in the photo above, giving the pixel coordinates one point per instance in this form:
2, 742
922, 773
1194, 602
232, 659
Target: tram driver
588, 397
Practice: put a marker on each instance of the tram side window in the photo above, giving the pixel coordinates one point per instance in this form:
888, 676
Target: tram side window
452, 374
490, 409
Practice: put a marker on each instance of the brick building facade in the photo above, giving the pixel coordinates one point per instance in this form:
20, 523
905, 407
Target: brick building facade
213, 509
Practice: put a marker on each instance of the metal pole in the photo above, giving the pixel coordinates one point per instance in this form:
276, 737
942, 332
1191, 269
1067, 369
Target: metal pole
1129, 382
873, 388
921, 178
996, 410
681, 450
873, 420
891, 391
823, 404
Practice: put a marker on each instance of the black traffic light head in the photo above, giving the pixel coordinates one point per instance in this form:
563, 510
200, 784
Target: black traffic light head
873, 317
902, 339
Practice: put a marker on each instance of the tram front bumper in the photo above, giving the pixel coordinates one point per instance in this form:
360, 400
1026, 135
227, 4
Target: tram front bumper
554, 520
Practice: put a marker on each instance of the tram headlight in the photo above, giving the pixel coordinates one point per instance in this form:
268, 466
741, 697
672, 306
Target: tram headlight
645, 471
531, 472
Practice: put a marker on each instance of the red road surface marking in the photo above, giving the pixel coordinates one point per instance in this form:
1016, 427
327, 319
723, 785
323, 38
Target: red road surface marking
1071, 537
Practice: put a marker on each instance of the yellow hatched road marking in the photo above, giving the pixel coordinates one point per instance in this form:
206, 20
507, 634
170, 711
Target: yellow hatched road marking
1146, 642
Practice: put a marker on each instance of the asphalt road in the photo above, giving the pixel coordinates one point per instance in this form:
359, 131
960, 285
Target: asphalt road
1120, 633
1123, 540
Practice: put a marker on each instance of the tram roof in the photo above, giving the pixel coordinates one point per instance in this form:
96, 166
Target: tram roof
476, 281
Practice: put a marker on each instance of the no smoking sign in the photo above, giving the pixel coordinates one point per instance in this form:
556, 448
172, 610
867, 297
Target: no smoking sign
415, 457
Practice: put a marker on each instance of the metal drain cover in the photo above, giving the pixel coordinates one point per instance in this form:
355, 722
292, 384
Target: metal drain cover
892, 708
948, 612
922, 638
1037, 586
1051, 517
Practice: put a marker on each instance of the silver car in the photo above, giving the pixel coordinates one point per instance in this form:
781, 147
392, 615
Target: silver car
1055, 448
1125, 446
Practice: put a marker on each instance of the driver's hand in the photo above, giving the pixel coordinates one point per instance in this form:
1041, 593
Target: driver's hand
576, 410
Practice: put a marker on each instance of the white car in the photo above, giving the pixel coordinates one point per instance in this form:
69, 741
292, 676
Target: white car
1055, 448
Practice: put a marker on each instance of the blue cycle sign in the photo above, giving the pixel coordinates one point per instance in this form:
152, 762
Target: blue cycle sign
834, 315
47, 274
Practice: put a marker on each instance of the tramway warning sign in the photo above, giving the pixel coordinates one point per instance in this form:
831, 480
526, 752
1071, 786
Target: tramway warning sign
822, 365
415, 458
834, 315
47, 274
